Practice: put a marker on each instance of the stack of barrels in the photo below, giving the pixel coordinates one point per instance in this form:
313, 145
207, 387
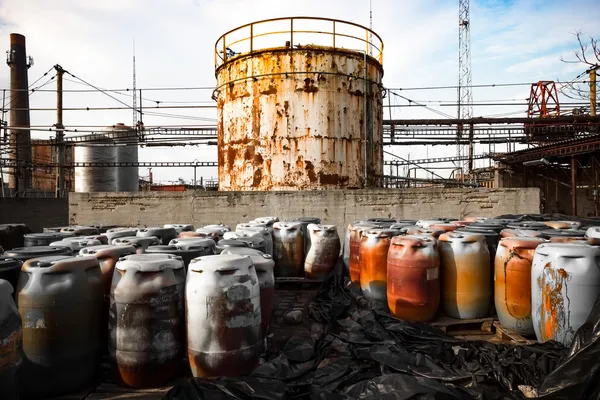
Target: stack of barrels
540, 278
144, 296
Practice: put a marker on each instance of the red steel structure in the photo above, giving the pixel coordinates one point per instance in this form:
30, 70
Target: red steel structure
543, 100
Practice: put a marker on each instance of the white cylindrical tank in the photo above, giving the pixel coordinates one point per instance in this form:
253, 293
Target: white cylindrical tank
297, 116
222, 298
565, 282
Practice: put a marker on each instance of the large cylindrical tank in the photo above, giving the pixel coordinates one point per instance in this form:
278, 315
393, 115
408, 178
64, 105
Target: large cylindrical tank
374, 247
324, 251
413, 278
117, 144
147, 320
222, 298
512, 282
565, 282
293, 116
60, 302
10, 343
466, 275
289, 249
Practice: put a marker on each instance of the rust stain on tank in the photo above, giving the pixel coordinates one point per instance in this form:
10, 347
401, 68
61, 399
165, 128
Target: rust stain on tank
553, 315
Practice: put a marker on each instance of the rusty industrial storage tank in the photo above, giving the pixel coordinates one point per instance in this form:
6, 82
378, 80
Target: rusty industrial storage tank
466, 290
300, 108
413, 278
565, 283
10, 342
60, 302
222, 300
374, 247
288, 242
146, 320
512, 282
324, 251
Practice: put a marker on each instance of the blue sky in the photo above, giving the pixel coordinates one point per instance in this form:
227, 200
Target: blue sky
511, 41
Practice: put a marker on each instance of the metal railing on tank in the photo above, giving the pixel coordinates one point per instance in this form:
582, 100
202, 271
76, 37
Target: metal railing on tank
292, 31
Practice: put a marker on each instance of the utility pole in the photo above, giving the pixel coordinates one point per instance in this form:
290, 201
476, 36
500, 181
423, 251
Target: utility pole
60, 134
593, 88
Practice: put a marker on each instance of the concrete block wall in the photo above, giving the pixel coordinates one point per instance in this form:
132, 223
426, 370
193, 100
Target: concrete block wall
36, 213
338, 207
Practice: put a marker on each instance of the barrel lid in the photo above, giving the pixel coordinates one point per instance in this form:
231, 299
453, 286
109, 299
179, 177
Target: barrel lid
48, 235
172, 249
155, 230
121, 229
593, 232
381, 232
266, 220
242, 251
35, 251
320, 227
287, 225
486, 226
232, 243
310, 220
221, 262
79, 228
383, 220
571, 250
522, 242
184, 227
234, 235
550, 233
78, 241
563, 224
193, 241
463, 236
150, 262
252, 241
223, 228
7, 264
537, 225
65, 262
362, 227
416, 240
118, 251
475, 229
136, 239
426, 222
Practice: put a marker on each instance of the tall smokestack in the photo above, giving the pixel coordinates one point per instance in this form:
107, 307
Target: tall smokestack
20, 139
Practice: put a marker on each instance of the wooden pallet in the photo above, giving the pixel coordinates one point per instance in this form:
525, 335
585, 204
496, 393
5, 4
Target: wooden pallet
461, 327
507, 334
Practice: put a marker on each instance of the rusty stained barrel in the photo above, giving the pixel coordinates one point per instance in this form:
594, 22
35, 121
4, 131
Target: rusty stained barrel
305, 221
289, 249
512, 282
60, 302
324, 251
413, 278
10, 343
354, 235
565, 283
222, 298
443, 227
374, 247
139, 243
264, 265
346, 244
466, 290
147, 320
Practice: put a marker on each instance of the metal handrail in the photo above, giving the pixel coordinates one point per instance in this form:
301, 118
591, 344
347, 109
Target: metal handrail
223, 45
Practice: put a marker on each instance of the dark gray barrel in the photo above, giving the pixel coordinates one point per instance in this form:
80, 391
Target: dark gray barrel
44, 238
27, 253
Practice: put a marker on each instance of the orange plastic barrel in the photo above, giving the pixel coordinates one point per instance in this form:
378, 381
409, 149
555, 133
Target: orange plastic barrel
374, 247
356, 232
413, 278
512, 282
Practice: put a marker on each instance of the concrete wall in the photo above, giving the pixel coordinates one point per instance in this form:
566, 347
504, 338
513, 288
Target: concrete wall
36, 213
337, 207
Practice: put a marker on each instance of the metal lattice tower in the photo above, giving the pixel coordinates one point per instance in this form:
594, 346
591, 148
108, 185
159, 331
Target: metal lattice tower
465, 97
134, 106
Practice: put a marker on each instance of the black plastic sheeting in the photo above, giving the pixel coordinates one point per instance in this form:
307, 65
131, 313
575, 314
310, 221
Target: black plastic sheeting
364, 353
